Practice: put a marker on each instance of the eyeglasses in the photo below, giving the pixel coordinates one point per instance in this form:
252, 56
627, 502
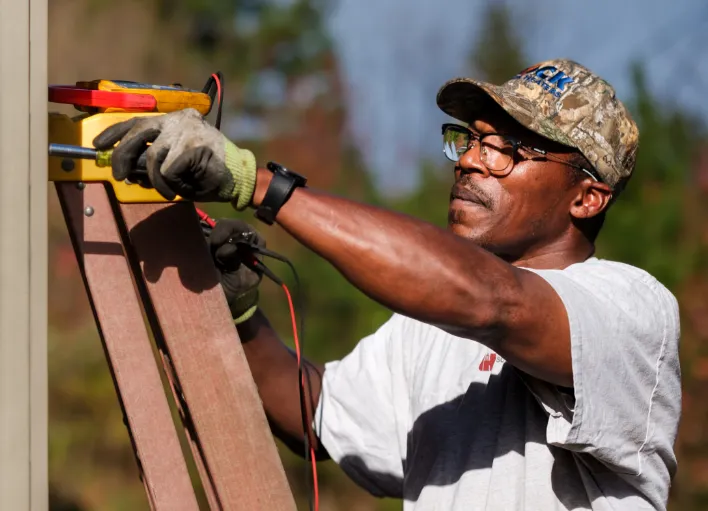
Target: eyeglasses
496, 151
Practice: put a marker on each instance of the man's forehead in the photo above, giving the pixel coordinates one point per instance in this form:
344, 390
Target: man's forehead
497, 123
492, 120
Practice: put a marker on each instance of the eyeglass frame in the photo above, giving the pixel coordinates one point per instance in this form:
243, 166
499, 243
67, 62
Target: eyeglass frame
516, 145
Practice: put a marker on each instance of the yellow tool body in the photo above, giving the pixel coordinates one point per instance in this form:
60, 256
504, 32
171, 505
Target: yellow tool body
81, 131
169, 98
104, 103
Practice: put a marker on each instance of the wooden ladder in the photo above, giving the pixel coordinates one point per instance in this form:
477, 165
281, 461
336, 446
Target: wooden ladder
147, 270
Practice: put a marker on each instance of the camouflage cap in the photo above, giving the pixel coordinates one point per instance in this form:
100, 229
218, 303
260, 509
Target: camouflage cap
563, 101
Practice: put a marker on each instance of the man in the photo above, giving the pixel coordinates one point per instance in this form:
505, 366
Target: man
518, 371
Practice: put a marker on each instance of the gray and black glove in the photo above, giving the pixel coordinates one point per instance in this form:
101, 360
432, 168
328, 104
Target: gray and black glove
240, 282
188, 157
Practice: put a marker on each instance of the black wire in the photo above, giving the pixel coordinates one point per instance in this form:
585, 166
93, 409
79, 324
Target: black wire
302, 366
305, 394
298, 301
221, 100
212, 89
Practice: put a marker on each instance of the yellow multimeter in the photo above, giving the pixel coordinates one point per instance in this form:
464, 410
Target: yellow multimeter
106, 102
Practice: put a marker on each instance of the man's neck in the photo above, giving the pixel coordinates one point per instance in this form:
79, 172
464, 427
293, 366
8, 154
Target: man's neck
557, 255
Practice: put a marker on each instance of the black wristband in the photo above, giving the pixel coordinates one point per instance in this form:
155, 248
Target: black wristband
281, 187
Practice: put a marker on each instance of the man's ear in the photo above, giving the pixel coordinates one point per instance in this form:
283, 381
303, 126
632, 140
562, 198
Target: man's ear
591, 199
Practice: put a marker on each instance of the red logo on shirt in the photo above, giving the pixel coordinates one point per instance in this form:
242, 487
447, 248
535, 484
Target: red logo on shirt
487, 363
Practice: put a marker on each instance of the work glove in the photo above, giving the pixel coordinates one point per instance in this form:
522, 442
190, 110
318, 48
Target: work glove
240, 282
188, 157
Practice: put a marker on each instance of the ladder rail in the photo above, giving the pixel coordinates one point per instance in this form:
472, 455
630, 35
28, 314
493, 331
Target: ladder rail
126, 343
189, 315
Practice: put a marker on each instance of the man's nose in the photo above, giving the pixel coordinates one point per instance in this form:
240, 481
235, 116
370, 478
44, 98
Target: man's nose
471, 163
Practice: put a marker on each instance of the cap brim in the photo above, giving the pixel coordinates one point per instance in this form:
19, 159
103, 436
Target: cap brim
466, 99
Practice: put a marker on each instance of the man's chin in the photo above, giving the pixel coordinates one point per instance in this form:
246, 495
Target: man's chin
468, 220
462, 230
464, 213
479, 236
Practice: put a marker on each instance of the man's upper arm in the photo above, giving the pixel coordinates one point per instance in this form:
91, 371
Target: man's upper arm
531, 330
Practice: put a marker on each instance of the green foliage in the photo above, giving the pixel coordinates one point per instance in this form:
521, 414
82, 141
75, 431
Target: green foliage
429, 199
248, 36
645, 227
498, 54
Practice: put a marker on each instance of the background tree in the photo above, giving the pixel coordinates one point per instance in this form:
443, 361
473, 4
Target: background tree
498, 53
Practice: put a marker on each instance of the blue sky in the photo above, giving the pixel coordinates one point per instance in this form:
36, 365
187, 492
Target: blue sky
396, 54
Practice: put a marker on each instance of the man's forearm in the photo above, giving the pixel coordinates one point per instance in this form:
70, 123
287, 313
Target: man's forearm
274, 369
408, 265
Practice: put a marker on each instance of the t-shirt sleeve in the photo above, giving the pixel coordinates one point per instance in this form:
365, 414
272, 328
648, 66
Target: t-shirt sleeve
625, 404
356, 418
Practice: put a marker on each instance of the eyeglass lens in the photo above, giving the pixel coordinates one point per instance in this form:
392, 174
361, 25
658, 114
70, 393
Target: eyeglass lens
496, 151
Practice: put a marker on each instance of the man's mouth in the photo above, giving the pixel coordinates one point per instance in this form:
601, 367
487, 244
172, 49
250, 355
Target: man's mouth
464, 194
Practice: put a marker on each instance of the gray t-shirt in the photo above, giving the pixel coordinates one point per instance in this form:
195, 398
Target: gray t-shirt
444, 423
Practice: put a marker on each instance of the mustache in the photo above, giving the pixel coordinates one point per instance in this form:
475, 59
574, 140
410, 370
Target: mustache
468, 190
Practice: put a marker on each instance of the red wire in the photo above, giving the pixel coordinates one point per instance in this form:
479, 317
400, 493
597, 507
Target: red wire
315, 488
218, 94
205, 218
209, 221
302, 383
218, 85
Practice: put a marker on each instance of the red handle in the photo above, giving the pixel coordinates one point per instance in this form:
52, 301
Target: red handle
128, 102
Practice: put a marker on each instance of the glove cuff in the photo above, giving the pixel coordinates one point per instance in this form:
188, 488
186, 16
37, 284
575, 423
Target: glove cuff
243, 307
246, 315
241, 163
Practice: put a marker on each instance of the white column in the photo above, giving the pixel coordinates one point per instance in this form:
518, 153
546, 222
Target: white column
23, 255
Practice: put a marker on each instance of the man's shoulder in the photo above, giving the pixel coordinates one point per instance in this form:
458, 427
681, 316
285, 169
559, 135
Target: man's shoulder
617, 296
610, 267
619, 281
